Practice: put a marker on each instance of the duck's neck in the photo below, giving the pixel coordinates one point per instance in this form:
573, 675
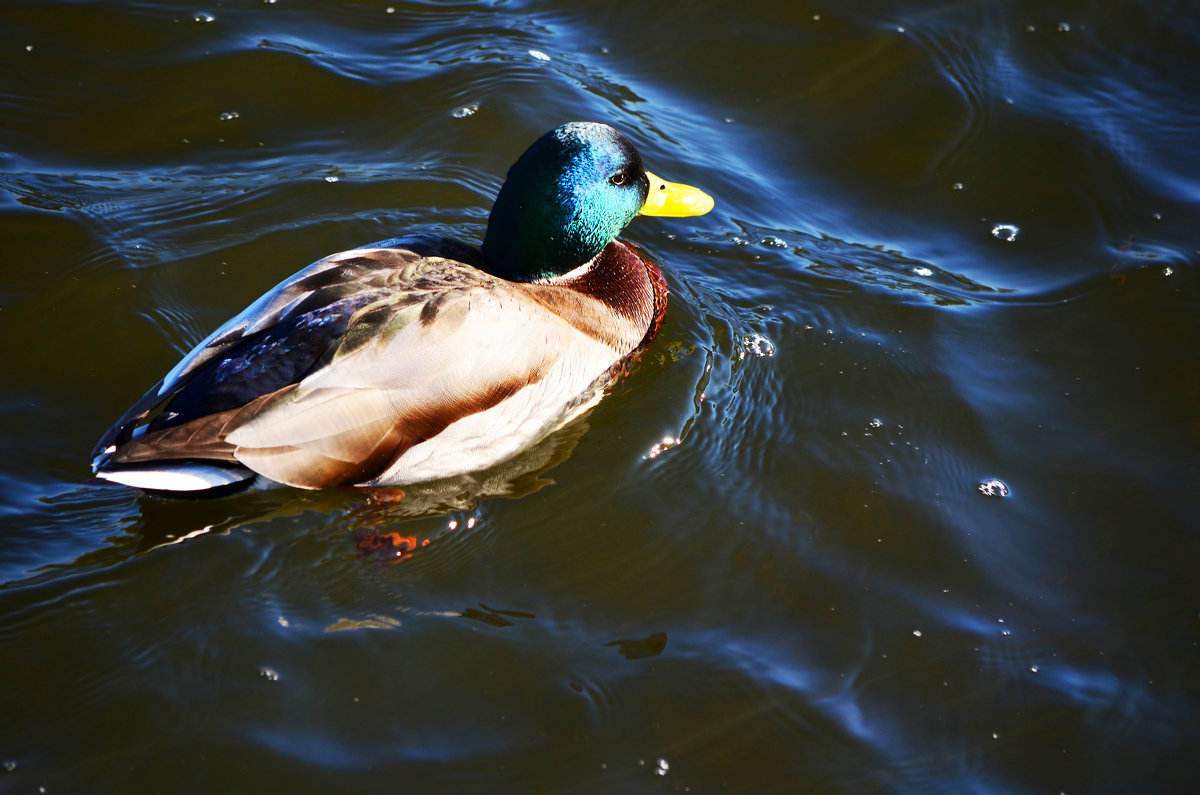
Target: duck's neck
630, 286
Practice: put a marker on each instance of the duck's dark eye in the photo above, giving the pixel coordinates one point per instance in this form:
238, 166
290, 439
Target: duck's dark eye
620, 178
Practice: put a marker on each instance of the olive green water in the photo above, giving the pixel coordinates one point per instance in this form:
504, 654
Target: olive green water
902, 499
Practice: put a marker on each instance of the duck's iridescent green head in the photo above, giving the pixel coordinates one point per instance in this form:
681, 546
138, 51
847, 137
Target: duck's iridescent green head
569, 196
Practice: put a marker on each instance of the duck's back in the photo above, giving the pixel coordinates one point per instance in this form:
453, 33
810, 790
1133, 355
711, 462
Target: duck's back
390, 364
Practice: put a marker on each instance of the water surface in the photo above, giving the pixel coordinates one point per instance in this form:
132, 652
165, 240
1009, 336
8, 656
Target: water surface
902, 499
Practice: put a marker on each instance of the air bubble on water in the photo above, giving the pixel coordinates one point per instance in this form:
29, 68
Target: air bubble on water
956, 186
993, 488
1167, 271
465, 111
662, 768
10, 765
269, 673
541, 56
203, 17
1005, 232
1063, 27
774, 242
229, 115
1030, 28
757, 345
331, 178
923, 271
1033, 669
916, 633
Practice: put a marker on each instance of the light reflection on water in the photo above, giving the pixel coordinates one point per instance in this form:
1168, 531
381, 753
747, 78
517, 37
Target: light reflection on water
900, 499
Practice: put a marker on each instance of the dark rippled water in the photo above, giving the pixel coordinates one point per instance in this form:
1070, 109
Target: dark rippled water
902, 499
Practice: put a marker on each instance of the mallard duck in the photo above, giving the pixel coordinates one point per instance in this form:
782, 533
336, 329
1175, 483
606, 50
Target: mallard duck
419, 358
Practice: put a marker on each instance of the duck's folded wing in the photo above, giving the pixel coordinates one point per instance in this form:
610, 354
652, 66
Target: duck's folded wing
324, 285
384, 374
328, 282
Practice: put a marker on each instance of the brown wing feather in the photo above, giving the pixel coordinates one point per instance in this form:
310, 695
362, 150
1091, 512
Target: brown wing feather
366, 450
355, 455
306, 468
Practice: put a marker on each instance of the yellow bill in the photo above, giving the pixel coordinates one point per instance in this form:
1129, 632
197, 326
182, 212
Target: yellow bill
674, 200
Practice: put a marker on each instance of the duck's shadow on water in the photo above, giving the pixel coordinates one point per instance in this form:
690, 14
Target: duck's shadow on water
367, 521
